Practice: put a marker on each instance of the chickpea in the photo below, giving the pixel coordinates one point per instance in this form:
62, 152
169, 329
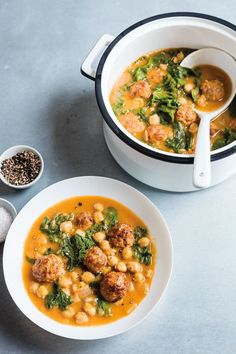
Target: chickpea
112, 260
182, 100
145, 135
74, 288
99, 236
139, 277
42, 291
89, 299
144, 242
202, 101
70, 312
64, 282
98, 207
81, 317
81, 284
106, 270
66, 227
110, 252
121, 267
131, 286
34, 287
127, 252
163, 67
146, 288
149, 273
189, 87
154, 119
134, 267
74, 276
89, 309
105, 245
80, 232
98, 216
88, 277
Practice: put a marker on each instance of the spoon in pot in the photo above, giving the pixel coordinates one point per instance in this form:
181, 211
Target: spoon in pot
202, 159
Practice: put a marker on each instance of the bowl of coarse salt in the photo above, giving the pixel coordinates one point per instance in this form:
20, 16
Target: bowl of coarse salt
7, 215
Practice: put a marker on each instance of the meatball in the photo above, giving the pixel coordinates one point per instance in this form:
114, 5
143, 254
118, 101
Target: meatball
213, 90
155, 76
157, 133
84, 220
114, 286
132, 123
122, 235
140, 89
95, 260
48, 268
186, 114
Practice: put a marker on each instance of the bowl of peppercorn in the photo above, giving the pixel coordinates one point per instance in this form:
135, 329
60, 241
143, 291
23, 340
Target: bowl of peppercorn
21, 166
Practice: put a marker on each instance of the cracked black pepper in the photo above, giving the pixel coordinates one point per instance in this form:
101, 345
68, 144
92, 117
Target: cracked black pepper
21, 168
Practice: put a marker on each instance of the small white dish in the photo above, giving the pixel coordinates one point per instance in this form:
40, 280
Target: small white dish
9, 207
13, 151
81, 186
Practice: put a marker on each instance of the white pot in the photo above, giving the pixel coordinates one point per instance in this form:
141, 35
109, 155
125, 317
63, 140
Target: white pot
160, 169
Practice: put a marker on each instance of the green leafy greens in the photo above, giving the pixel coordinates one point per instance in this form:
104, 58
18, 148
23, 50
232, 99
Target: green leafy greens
182, 139
57, 298
228, 136
144, 255
104, 306
111, 218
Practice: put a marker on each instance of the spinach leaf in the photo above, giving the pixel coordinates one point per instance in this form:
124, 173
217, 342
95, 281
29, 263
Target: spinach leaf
142, 115
50, 251
144, 255
105, 306
195, 93
57, 298
111, 218
52, 226
166, 96
30, 260
118, 107
229, 135
139, 231
178, 142
140, 73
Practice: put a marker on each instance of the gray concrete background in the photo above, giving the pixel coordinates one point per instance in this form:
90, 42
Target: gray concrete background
46, 103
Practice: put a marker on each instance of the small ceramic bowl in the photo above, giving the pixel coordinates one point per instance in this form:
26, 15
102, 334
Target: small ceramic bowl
9, 207
13, 151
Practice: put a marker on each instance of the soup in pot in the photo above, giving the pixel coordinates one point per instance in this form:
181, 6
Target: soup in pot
155, 97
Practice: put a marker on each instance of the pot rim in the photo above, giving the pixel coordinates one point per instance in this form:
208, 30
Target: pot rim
125, 138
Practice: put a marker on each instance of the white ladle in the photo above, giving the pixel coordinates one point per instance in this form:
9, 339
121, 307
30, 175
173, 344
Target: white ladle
202, 159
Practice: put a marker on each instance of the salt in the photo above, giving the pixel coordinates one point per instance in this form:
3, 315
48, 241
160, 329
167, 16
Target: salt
5, 223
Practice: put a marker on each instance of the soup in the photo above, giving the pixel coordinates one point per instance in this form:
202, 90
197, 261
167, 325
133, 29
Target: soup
88, 261
154, 100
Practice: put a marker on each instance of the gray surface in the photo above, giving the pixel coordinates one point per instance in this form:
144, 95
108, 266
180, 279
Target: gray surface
45, 102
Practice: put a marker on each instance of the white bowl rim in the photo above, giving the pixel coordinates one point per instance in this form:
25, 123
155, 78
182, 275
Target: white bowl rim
128, 138
21, 148
41, 319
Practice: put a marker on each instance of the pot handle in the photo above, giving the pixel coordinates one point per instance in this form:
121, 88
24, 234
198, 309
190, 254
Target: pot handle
89, 66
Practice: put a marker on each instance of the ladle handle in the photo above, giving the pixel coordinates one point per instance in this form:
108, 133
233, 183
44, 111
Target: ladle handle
202, 160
